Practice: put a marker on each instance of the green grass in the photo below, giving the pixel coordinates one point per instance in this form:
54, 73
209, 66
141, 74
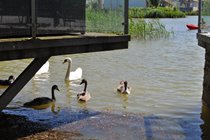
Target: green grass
104, 21
159, 12
147, 30
111, 22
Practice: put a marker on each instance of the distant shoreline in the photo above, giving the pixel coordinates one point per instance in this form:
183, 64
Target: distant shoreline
158, 12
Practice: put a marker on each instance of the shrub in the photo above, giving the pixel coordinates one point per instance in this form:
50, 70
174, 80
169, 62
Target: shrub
147, 30
159, 12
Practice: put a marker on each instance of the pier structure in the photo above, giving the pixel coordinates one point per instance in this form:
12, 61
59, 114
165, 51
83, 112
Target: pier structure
203, 37
40, 29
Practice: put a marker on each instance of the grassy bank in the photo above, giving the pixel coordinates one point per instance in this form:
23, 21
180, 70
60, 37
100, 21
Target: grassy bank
159, 12
111, 22
147, 30
193, 13
104, 21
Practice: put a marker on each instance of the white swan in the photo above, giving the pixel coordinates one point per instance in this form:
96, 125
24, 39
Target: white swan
74, 75
44, 68
124, 88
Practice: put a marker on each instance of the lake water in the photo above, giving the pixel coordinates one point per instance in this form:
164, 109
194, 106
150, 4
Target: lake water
166, 78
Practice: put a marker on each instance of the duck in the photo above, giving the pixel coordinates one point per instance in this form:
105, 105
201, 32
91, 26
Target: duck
44, 68
124, 88
7, 82
85, 95
42, 100
74, 75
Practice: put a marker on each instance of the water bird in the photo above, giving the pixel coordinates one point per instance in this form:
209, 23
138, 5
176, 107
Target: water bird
124, 88
74, 75
85, 95
44, 68
7, 82
42, 100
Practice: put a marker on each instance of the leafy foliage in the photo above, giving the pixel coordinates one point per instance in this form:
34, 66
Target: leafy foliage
147, 30
103, 21
106, 21
159, 12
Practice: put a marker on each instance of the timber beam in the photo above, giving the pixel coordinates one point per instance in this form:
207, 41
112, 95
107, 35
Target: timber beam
60, 45
21, 81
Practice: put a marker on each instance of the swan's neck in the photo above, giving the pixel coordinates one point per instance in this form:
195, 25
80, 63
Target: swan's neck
68, 71
125, 84
85, 88
53, 95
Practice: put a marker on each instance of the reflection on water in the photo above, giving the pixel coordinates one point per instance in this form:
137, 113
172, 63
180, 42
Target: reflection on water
82, 105
3, 86
37, 81
55, 109
51, 105
124, 99
43, 106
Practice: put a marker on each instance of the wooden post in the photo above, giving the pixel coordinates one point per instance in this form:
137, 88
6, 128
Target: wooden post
101, 4
33, 18
21, 81
199, 15
126, 22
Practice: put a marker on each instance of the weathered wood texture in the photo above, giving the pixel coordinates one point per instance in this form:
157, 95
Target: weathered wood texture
21, 81
22, 48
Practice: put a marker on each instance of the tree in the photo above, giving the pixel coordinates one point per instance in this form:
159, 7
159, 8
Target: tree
101, 4
154, 3
151, 3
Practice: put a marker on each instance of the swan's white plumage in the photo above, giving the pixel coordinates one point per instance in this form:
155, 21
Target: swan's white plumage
44, 68
75, 75
72, 75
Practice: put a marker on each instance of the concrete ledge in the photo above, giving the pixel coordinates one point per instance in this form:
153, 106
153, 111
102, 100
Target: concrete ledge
204, 41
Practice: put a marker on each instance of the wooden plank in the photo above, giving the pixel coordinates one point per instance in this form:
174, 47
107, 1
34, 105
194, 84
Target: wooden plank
42, 47
21, 81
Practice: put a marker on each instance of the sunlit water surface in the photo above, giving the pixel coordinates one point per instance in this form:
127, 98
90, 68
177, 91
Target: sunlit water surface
166, 78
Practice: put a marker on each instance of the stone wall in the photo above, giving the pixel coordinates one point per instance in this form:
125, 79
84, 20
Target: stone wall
206, 79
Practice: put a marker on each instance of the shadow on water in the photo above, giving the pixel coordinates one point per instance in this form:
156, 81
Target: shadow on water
186, 128
13, 126
51, 105
22, 122
157, 127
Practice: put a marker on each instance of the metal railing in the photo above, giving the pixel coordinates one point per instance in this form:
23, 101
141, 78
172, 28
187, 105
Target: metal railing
54, 17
